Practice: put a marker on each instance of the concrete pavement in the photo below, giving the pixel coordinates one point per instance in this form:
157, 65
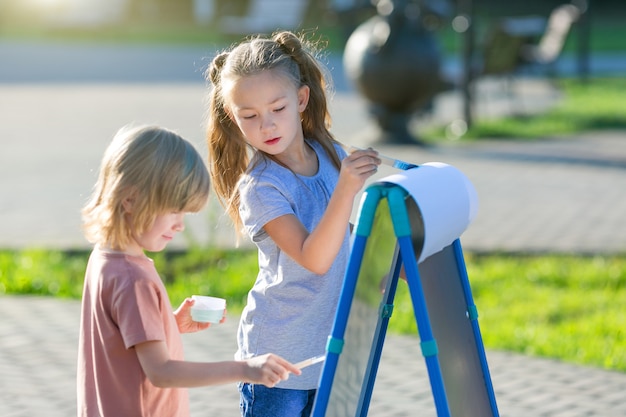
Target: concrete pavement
563, 195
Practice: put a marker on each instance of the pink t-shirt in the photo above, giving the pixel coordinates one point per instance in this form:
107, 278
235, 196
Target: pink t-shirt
124, 303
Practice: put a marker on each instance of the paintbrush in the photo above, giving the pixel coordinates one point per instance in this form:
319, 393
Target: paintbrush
394, 163
310, 361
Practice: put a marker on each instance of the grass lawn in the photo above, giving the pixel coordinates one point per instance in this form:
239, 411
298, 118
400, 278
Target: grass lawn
560, 306
595, 105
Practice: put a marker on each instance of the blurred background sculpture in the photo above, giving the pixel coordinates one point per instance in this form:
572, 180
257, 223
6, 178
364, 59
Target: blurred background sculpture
394, 61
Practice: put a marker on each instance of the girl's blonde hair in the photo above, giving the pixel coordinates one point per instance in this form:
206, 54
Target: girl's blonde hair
287, 55
157, 170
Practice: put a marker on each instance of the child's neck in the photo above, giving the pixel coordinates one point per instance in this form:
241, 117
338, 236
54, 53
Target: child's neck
303, 161
126, 251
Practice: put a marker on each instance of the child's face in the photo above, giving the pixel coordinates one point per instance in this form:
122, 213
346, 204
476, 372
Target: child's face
266, 108
162, 231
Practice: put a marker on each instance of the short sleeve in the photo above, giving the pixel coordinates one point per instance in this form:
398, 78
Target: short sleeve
137, 311
261, 202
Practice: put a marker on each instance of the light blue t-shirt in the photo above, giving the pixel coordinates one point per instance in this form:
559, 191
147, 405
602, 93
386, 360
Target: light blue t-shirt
290, 310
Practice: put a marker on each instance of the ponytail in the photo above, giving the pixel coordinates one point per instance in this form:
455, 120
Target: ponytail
228, 152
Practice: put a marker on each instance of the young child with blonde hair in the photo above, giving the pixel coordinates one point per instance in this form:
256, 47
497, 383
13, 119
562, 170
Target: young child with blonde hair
130, 353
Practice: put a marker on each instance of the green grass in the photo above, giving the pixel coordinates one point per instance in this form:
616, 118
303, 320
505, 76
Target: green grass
224, 273
199, 271
594, 105
42, 272
558, 306
561, 306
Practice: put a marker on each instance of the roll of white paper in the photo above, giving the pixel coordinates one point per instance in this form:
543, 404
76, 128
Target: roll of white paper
446, 199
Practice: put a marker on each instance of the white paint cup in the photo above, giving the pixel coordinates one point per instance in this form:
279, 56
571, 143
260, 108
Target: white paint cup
207, 309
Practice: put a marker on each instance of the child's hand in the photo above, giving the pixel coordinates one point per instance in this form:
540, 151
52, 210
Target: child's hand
184, 321
357, 167
269, 370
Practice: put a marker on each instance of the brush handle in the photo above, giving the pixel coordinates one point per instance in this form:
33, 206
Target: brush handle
388, 161
310, 361
394, 163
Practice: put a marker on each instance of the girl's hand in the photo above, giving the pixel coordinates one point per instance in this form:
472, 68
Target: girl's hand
184, 321
356, 168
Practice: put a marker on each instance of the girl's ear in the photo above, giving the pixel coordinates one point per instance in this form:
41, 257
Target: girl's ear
127, 203
303, 97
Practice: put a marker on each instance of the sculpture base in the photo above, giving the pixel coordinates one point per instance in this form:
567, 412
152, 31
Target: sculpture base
393, 128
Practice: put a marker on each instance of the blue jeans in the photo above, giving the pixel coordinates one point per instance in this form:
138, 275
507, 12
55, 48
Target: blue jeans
261, 401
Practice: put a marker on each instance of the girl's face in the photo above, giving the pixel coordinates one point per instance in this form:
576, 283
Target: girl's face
266, 107
157, 237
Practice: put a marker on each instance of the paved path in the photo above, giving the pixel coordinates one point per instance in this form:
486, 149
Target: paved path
563, 195
557, 195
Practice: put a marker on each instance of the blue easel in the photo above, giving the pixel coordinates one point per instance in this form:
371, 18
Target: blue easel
444, 325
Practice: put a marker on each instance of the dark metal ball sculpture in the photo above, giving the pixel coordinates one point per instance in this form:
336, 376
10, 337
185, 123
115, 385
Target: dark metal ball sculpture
394, 62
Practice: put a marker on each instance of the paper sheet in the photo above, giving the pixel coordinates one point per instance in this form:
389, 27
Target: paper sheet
446, 199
